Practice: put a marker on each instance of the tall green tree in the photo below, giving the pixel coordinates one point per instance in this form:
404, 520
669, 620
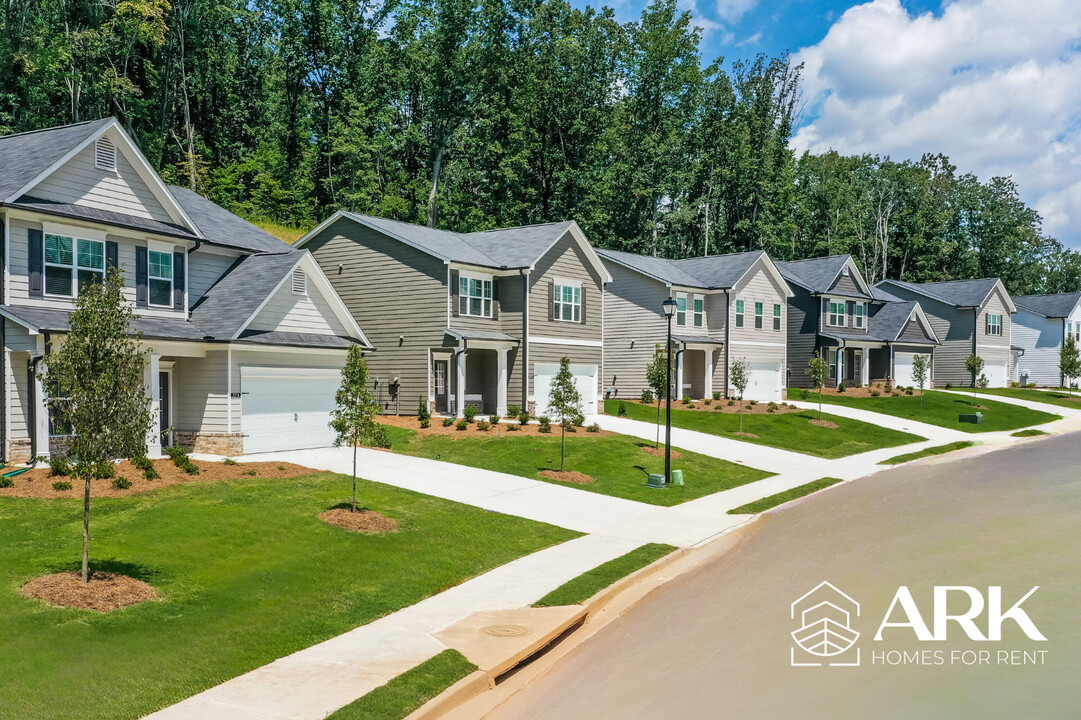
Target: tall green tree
740, 372
353, 418
1069, 363
566, 402
819, 371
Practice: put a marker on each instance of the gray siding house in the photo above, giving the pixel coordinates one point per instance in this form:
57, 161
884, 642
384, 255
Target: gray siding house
468, 319
1040, 327
864, 335
970, 317
729, 306
245, 337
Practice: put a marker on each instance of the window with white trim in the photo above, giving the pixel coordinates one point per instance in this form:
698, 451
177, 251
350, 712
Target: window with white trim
759, 309
69, 259
740, 306
474, 296
1073, 330
104, 154
833, 363
160, 278
681, 309
994, 324
568, 303
836, 313
859, 309
776, 316
300, 282
699, 311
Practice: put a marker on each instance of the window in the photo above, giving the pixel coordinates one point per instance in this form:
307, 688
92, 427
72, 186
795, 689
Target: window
837, 313
699, 311
568, 303
776, 316
833, 363
994, 324
1073, 330
67, 259
475, 296
739, 313
681, 309
161, 278
300, 283
104, 154
759, 308
859, 315
91, 258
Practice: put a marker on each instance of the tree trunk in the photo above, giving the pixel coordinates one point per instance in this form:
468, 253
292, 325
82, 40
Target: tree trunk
437, 167
355, 474
655, 226
86, 532
562, 443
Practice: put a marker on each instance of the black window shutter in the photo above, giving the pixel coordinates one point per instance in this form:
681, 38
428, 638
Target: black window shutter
454, 293
851, 312
582, 319
495, 298
112, 255
551, 301
178, 281
142, 271
37, 263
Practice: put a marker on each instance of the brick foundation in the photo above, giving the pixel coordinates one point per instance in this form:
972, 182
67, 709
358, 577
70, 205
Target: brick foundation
229, 444
19, 450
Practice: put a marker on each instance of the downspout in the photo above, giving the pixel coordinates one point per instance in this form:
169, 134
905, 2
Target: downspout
727, 344
187, 279
4, 237
32, 386
525, 339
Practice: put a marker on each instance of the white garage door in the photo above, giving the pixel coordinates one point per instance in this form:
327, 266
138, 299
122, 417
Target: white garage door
766, 381
287, 408
997, 372
585, 378
902, 368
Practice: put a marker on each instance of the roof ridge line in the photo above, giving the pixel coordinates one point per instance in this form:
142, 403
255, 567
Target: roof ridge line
54, 127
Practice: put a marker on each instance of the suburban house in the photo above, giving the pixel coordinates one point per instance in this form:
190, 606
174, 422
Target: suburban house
1040, 327
476, 319
245, 335
865, 335
970, 317
728, 307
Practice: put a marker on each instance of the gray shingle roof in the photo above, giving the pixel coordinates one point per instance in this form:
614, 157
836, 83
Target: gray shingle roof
82, 212
24, 156
228, 304
960, 293
56, 320
218, 225
295, 339
815, 274
699, 339
481, 334
710, 272
885, 325
660, 268
880, 294
1053, 306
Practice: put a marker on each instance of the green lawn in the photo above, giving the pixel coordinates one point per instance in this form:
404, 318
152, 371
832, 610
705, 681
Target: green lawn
1055, 397
1028, 433
247, 574
928, 452
410, 690
593, 581
942, 409
790, 431
617, 463
753, 508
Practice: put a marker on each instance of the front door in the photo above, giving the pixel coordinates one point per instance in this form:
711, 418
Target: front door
164, 410
441, 394
856, 371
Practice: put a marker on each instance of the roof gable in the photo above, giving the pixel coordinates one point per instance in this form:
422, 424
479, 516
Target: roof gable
711, 272
959, 293
825, 274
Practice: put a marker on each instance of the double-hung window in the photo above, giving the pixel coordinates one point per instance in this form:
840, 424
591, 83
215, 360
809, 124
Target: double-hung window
681, 309
776, 316
759, 309
739, 313
833, 363
160, 278
568, 303
699, 311
994, 324
475, 296
837, 313
859, 310
72, 263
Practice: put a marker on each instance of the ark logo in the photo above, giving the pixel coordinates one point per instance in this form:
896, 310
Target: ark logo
825, 631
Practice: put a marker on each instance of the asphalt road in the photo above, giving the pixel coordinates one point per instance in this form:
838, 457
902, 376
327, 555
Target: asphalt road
716, 643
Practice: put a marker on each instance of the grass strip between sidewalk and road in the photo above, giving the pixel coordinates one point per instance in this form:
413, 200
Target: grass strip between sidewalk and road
410, 690
593, 581
928, 452
753, 508
1031, 432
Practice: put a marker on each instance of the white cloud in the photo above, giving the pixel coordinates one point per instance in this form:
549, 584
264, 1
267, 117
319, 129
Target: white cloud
699, 20
732, 10
994, 84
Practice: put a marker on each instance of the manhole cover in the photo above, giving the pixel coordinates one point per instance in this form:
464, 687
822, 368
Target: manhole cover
506, 630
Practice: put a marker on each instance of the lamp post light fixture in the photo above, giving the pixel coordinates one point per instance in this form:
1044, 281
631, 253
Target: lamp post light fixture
669, 307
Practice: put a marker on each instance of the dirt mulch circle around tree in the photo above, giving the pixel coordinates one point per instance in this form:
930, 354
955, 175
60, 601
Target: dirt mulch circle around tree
759, 408
824, 424
750, 435
659, 452
571, 476
104, 593
410, 422
366, 521
37, 482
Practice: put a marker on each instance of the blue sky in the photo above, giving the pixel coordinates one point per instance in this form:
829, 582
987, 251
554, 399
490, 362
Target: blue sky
994, 84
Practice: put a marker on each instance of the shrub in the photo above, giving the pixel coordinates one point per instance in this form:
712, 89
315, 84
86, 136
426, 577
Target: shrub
146, 465
514, 428
251, 473
840, 387
716, 394
909, 391
647, 397
425, 424
687, 400
804, 394
875, 392
949, 386
448, 421
470, 413
578, 420
594, 428
731, 402
229, 461
545, 424
752, 403
622, 411
175, 451
494, 419
483, 425
707, 402
983, 382
523, 418
423, 412
772, 407
106, 470
121, 483
192, 469
59, 467
62, 485
513, 411
461, 424
857, 385
6, 482
281, 467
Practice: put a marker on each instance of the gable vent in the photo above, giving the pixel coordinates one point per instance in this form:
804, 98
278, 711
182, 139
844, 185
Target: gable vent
300, 283
104, 154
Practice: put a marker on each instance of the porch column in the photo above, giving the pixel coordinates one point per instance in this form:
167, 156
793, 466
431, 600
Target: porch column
865, 371
501, 384
708, 384
459, 385
41, 410
151, 372
679, 375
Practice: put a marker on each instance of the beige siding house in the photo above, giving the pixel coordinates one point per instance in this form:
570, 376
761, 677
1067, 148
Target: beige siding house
245, 336
462, 320
729, 307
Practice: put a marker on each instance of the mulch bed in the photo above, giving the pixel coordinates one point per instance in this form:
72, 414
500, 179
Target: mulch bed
571, 476
410, 422
104, 593
659, 452
824, 424
750, 435
759, 408
367, 521
37, 482
862, 392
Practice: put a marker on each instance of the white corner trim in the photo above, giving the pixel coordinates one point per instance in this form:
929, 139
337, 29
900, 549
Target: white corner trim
74, 231
565, 341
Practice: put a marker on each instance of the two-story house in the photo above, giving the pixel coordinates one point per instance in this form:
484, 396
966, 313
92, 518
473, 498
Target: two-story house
245, 337
728, 307
1041, 325
970, 317
477, 319
863, 335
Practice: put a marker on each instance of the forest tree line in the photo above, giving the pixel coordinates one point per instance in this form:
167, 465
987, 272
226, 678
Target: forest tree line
474, 114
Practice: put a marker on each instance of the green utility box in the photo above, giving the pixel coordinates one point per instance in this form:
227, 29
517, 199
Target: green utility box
655, 481
677, 477
974, 418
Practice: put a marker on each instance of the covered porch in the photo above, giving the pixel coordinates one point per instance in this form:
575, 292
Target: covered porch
472, 369
696, 358
851, 361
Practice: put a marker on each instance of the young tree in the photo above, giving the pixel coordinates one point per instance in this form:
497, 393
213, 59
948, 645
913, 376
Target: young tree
354, 418
1069, 363
566, 402
819, 370
974, 364
921, 365
657, 377
98, 388
741, 378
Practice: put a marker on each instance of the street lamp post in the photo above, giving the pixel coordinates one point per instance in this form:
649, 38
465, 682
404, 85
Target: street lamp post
669, 306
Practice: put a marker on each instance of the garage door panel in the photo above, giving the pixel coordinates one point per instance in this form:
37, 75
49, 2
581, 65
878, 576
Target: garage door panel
283, 409
585, 377
766, 380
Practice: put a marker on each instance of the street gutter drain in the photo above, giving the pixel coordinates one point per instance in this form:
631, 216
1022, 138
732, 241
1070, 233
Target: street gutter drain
506, 630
